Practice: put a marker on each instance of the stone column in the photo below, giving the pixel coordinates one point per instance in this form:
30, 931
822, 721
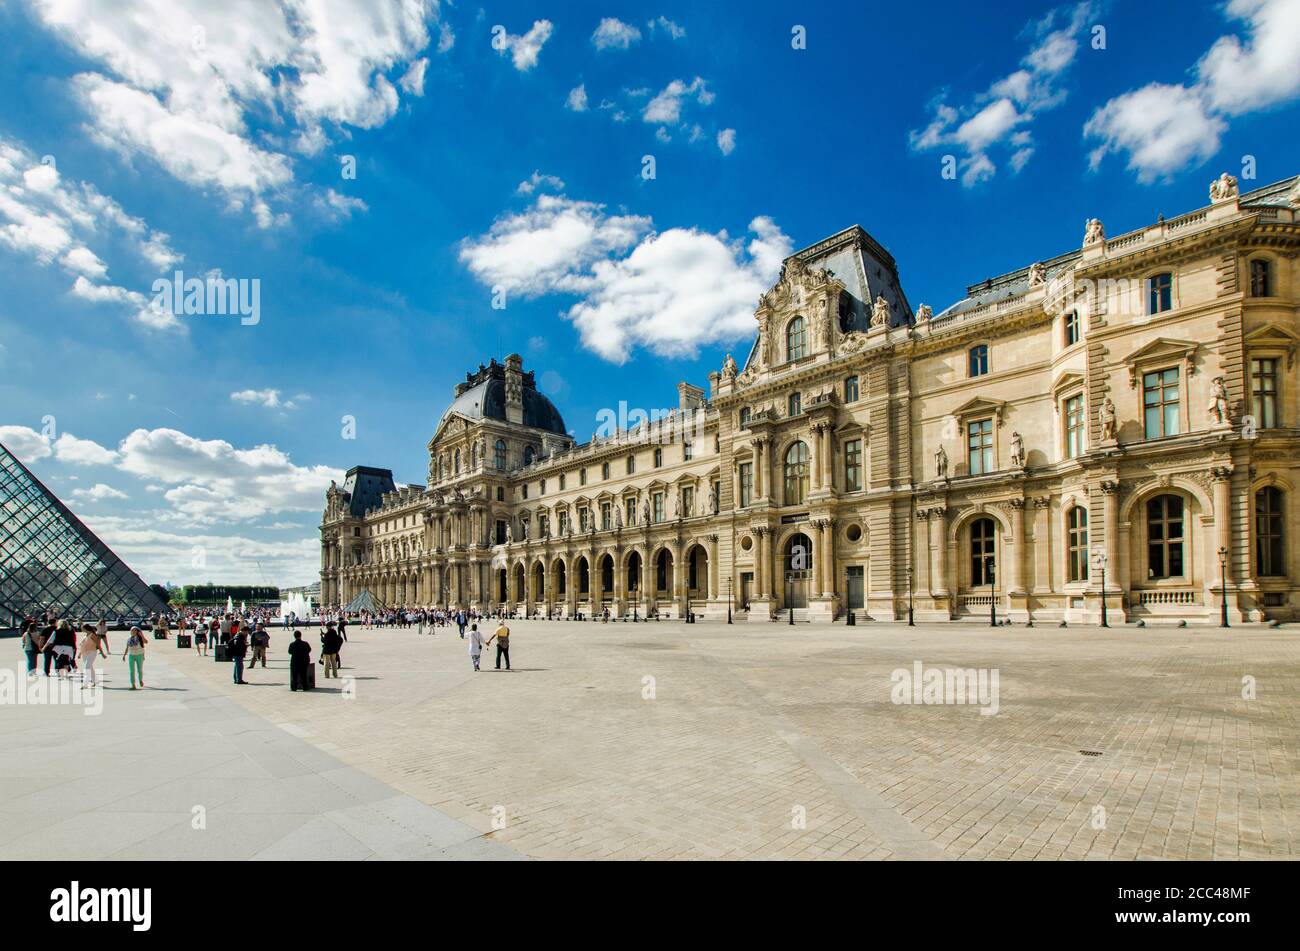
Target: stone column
774, 566
1015, 579
1110, 526
760, 562
713, 567
760, 483
828, 458
1222, 520
939, 538
828, 543
818, 556
818, 433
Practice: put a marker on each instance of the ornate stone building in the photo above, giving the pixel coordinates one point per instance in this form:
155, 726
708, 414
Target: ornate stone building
1126, 413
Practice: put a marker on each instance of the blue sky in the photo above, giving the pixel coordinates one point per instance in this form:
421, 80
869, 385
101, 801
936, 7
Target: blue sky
502, 147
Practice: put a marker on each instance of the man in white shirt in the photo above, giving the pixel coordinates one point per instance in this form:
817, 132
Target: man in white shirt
475, 644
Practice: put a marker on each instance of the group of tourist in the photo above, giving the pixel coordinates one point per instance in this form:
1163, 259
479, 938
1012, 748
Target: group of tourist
62, 645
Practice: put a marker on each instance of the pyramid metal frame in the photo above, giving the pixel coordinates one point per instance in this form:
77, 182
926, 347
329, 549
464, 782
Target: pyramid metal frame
365, 601
49, 559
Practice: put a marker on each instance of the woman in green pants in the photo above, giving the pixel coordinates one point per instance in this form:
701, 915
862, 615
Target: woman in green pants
134, 655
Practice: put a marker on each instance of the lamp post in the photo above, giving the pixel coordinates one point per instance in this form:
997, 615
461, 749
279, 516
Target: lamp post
634, 598
1223, 582
911, 622
728, 600
993, 601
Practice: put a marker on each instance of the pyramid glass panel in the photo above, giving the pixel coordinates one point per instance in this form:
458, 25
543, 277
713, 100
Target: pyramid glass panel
49, 560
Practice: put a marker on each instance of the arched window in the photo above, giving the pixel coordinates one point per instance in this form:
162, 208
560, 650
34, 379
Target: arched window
979, 360
499, 455
983, 558
796, 474
1077, 536
1165, 537
528, 455
796, 340
661, 571
1261, 278
1270, 547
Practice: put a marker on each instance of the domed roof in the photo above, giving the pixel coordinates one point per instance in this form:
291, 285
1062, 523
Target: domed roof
483, 396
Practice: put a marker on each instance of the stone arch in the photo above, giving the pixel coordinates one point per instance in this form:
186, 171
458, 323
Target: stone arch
695, 564
582, 579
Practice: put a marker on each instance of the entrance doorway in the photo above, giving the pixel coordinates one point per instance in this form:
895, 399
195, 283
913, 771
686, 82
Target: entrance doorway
856, 588
798, 568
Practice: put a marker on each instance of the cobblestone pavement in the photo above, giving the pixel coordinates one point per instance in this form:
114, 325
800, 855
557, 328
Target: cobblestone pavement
770, 741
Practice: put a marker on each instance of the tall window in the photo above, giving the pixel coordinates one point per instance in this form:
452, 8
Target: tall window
499, 455
852, 465
746, 483
604, 471
851, 389
657, 507
1270, 558
582, 476
631, 464
983, 567
1160, 401
1074, 426
688, 500
1072, 328
688, 451
1077, 537
606, 516
1261, 278
1165, 537
795, 404
796, 339
659, 458
979, 446
1160, 293
455, 465
528, 455
629, 511
979, 360
1263, 392
796, 474
744, 417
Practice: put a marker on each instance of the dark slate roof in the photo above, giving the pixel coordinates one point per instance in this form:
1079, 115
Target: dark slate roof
367, 487
483, 396
867, 270
1278, 194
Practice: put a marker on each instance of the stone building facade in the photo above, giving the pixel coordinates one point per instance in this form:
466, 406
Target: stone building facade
1126, 414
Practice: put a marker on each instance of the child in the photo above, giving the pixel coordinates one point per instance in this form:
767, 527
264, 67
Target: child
475, 644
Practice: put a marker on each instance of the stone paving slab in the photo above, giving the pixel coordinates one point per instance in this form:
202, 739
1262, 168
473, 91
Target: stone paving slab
124, 784
751, 741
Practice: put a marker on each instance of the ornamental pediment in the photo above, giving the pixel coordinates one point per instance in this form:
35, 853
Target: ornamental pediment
1161, 350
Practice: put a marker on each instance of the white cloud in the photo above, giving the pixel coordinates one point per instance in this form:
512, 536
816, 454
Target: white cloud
1164, 128
211, 480
446, 38
267, 398
998, 117
176, 81
549, 245
25, 443
726, 140
577, 101
538, 180
413, 79
98, 493
525, 49
82, 452
613, 33
336, 206
666, 107
670, 292
668, 26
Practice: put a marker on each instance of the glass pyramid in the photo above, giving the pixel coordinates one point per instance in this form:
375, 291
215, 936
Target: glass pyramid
49, 560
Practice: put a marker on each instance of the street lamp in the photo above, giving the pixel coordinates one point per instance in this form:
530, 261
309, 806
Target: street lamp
1223, 582
911, 622
728, 600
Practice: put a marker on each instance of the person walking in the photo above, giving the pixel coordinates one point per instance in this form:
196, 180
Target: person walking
63, 647
31, 642
475, 644
201, 638
502, 636
461, 620
46, 627
330, 644
92, 648
343, 627
134, 655
299, 662
261, 641
236, 651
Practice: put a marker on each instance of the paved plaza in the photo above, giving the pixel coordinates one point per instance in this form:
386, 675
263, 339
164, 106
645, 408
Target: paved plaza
681, 742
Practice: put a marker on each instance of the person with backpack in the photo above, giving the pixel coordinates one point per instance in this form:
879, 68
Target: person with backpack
134, 655
236, 651
330, 645
502, 636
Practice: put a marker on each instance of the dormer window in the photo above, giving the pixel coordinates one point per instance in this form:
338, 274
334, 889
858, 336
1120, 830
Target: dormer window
796, 340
